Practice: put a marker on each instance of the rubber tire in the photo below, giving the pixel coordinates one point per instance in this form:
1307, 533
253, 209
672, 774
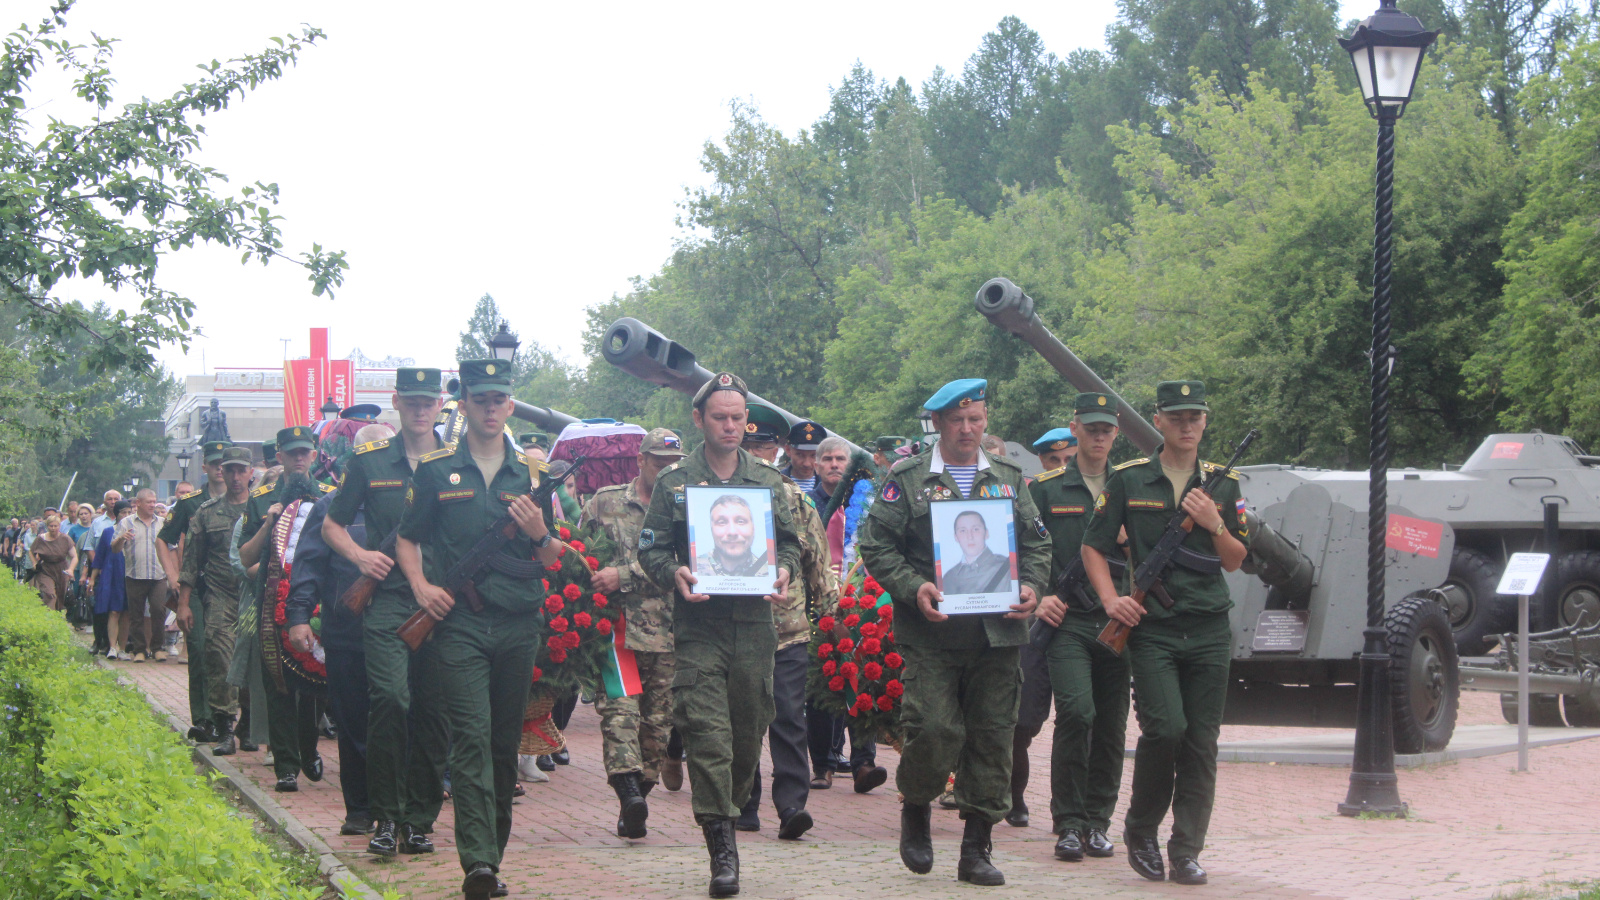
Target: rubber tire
1424, 681
1582, 713
1478, 575
1544, 710
1579, 570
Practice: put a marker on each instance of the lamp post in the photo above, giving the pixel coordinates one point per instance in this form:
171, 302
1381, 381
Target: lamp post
183, 458
329, 410
925, 419
1386, 50
127, 488
504, 344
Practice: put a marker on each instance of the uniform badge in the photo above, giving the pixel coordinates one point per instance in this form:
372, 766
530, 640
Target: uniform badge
1102, 401
411, 493
891, 492
297, 432
750, 428
1100, 504
420, 376
1038, 525
489, 370
1184, 390
725, 379
455, 477
647, 539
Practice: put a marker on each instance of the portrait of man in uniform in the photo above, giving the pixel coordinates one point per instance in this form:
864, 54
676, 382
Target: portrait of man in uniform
739, 559
975, 549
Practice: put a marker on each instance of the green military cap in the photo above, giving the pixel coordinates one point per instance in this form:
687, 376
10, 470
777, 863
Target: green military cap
534, 439
890, 443
766, 425
1171, 395
722, 381
269, 451
212, 450
410, 381
294, 437
480, 376
1096, 408
236, 456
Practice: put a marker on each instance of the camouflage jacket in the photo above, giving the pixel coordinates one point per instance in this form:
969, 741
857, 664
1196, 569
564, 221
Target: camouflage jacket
646, 607
205, 553
814, 590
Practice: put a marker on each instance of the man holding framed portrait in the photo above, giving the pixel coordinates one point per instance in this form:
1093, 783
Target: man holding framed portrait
956, 540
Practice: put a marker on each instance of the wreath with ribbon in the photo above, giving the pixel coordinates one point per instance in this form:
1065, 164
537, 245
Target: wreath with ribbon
287, 665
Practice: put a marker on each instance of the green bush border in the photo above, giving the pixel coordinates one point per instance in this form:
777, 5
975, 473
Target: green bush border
110, 799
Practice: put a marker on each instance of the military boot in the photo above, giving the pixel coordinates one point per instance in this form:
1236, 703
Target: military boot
227, 744
724, 857
384, 843
974, 866
916, 837
634, 809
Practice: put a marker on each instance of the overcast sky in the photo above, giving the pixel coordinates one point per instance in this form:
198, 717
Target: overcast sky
527, 150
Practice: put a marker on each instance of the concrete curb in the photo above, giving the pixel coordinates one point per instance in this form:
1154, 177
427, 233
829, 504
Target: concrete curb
347, 883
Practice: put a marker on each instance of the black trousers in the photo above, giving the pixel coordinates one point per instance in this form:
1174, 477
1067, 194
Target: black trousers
1034, 709
787, 735
825, 737
347, 706
291, 729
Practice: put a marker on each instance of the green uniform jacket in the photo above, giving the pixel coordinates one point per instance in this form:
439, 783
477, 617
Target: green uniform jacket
376, 479
1066, 504
449, 507
1139, 496
177, 522
897, 546
645, 606
664, 540
261, 500
205, 555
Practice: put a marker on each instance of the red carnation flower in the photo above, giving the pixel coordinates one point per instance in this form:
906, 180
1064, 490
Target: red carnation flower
871, 645
852, 620
553, 567
847, 602
572, 592
554, 643
538, 673
894, 688
594, 564
872, 670
565, 534
559, 623
848, 669
571, 639
600, 601
888, 637
558, 655
849, 590
886, 703
886, 612
871, 584
279, 615
604, 626
825, 651
582, 620
826, 623
846, 645
893, 661
546, 583
864, 701
576, 545
869, 629
836, 683
553, 604
829, 668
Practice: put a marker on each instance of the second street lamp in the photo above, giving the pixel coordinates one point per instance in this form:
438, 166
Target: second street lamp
503, 346
1386, 50
329, 410
183, 456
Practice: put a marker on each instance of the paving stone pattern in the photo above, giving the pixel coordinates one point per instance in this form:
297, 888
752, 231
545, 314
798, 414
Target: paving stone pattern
1477, 830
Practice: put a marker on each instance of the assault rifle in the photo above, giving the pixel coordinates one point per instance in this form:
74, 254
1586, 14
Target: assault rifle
460, 580
358, 596
1168, 550
1072, 588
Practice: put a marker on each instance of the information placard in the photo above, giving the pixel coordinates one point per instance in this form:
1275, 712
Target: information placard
1280, 631
1523, 573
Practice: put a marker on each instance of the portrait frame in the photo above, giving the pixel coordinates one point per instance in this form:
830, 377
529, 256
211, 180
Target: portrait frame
714, 518
981, 579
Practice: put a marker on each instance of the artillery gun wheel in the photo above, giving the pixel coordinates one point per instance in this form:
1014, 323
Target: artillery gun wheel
1582, 712
1544, 710
1579, 594
1424, 684
1473, 609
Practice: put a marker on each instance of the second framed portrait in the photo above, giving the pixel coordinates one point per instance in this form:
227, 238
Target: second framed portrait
732, 547
975, 556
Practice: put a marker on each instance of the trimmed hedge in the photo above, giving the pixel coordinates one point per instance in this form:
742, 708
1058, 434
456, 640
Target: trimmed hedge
99, 799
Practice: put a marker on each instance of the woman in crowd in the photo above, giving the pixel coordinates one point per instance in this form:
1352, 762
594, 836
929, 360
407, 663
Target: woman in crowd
54, 556
110, 596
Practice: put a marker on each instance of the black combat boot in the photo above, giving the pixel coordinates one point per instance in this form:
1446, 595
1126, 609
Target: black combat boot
724, 857
384, 843
634, 809
242, 730
204, 732
227, 744
916, 837
974, 867
413, 840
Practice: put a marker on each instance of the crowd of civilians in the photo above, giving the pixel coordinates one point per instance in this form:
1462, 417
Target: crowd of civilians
102, 567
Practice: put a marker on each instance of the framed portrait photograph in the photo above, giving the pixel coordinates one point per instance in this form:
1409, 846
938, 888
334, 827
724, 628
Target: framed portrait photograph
732, 547
975, 556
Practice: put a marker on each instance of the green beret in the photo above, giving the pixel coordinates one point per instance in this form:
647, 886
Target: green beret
722, 381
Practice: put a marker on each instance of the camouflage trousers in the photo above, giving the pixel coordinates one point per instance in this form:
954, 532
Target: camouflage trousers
634, 730
222, 614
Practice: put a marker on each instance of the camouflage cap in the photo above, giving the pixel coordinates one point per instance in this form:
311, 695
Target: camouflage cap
212, 450
480, 376
1095, 408
410, 381
1173, 395
237, 456
663, 442
722, 381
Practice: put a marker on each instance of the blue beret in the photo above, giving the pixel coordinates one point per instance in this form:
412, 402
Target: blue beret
961, 392
1054, 439
368, 412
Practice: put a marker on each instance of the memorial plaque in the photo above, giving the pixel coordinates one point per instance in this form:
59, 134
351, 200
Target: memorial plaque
1280, 631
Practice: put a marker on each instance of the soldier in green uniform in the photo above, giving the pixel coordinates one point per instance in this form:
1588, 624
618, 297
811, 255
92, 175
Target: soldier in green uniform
883, 449
206, 571
171, 545
1179, 656
961, 673
1090, 682
634, 730
535, 445
291, 716
269, 453
407, 734
724, 645
485, 657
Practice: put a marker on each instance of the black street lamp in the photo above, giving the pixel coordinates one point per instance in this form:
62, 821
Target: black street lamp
504, 344
183, 457
1387, 51
127, 488
329, 410
925, 419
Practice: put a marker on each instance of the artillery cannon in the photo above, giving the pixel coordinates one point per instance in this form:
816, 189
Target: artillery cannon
1563, 667
647, 354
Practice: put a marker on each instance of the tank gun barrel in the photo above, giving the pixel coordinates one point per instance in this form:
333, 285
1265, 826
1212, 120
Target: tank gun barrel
647, 354
551, 420
1006, 306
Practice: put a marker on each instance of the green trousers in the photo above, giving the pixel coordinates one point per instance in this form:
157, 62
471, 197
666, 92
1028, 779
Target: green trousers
408, 734
959, 713
1090, 684
194, 652
485, 665
722, 705
222, 617
291, 729
1180, 676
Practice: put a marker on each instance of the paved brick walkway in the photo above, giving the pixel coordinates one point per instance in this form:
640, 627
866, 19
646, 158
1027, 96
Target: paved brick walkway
1477, 830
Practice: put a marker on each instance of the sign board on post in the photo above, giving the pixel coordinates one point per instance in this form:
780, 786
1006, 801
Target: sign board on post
1523, 573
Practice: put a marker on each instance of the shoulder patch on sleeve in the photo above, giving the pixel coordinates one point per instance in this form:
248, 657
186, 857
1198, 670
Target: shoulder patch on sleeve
263, 490
371, 446
1131, 462
190, 495
1046, 476
1209, 467
441, 453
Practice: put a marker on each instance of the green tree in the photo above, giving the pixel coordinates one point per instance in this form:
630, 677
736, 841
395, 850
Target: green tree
539, 375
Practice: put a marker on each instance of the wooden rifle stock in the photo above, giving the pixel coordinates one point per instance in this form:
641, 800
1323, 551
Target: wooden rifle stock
1114, 636
358, 596
416, 629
